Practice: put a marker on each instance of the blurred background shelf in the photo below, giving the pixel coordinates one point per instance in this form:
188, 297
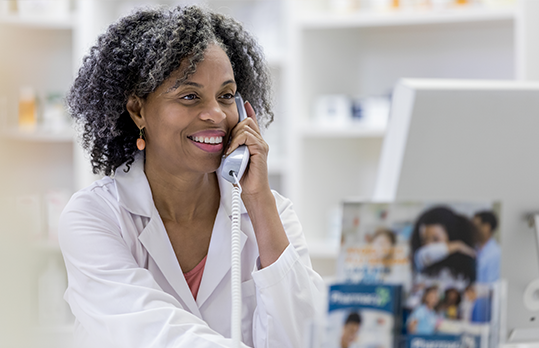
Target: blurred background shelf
40, 135
368, 19
352, 130
39, 22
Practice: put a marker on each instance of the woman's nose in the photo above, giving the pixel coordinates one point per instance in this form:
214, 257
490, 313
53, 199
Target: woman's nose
213, 113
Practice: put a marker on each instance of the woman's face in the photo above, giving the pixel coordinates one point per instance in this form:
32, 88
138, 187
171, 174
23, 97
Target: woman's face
382, 246
433, 234
187, 126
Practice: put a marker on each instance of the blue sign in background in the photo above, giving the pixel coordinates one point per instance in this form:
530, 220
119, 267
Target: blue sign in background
442, 341
385, 298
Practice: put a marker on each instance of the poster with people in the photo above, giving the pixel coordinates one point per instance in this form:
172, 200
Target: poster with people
446, 256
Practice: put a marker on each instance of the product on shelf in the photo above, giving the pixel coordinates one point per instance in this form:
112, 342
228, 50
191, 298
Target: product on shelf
27, 108
54, 117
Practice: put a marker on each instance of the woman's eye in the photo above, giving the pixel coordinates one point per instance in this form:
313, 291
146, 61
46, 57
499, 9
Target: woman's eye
227, 96
189, 97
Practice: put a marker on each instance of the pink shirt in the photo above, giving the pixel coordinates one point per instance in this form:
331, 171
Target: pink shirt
194, 277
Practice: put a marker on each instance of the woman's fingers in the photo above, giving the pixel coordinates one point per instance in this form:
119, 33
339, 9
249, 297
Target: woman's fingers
246, 132
247, 136
251, 114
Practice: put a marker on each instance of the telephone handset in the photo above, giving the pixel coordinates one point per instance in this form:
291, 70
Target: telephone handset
232, 168
237, 161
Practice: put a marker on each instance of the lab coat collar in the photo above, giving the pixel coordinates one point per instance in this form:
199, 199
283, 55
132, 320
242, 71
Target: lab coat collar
135, 195
133, 189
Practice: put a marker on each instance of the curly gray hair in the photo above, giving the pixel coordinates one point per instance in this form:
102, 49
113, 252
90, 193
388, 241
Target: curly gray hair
136, 55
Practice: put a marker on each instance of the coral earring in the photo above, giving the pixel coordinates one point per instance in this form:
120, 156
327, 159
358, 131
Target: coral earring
141, 144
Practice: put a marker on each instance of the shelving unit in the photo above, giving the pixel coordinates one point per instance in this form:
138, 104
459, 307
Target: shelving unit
400, 18
363, 54
37, 52
64, 136
350, 131
39, 22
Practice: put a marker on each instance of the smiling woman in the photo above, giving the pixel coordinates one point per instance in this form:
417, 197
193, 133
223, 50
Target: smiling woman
177, 112
147, 248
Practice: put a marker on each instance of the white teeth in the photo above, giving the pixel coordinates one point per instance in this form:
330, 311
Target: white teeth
211, 140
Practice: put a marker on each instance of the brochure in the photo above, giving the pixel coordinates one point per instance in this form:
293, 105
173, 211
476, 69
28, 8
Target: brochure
446, 258
362, 315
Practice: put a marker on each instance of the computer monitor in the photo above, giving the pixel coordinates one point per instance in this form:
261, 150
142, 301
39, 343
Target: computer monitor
459, 140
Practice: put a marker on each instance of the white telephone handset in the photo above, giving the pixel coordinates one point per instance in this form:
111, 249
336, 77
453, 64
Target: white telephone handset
237, 161
232, 168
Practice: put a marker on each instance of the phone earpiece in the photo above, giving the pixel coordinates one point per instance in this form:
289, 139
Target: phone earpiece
237, 161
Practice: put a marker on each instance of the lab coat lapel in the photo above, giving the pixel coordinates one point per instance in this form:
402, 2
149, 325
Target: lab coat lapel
155, 239
218, 261
135, 195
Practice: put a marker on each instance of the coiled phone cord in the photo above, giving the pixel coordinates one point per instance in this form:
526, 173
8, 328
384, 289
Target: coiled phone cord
236, 265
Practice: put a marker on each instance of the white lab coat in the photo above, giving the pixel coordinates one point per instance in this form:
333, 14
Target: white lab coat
126, 287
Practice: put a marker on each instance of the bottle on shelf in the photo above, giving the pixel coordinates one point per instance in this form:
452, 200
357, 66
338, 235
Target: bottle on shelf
27, 109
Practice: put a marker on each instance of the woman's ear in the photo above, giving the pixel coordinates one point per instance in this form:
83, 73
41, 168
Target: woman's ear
134, 107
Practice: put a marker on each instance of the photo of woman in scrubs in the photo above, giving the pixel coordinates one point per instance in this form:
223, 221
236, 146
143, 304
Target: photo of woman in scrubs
442, 252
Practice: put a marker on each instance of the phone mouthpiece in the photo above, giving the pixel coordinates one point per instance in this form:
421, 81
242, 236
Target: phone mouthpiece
235, 163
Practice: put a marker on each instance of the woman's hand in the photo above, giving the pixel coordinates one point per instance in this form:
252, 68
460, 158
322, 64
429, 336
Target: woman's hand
256, 193
247, 132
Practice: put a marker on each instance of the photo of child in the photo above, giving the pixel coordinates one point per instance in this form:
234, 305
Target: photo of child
449, 307
424, 319
350, 330
379, 266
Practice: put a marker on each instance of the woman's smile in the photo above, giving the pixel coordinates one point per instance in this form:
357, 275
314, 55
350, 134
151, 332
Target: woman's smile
209, 141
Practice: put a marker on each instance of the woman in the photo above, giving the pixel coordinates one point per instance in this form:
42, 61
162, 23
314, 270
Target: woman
444, 241
147, 248
442, 251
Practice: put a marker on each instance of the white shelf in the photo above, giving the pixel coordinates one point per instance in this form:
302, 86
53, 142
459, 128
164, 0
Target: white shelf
39, 135
42, 22
353, 130
400, 18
